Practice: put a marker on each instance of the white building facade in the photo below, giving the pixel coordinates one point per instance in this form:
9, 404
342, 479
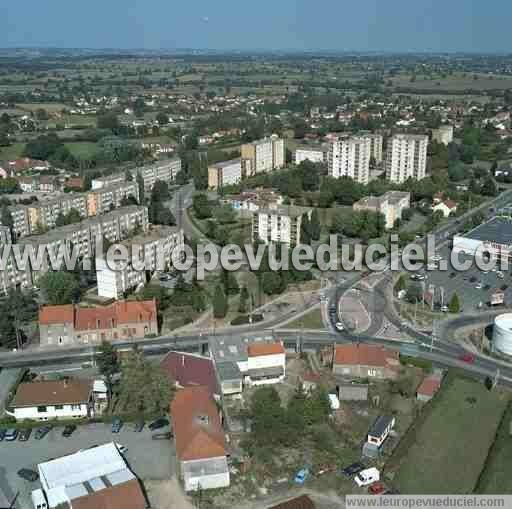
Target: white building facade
406, 157
350, 157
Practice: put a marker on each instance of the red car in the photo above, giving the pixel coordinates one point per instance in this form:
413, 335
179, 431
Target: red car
377, 488
467, 357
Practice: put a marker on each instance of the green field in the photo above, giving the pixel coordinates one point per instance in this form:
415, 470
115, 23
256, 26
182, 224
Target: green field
312, 320
81, 149
496, 476
451, 445
11, 152
454, 83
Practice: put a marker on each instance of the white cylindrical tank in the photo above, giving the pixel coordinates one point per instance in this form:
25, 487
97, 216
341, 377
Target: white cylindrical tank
502, 334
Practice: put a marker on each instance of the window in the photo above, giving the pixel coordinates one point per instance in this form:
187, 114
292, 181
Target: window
41, 409
59, 407
75, 407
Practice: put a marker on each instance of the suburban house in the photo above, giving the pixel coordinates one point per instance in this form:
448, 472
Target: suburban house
302, 502
94, 478
71, 324
200, 440
428, 387
365, 361
377, 435
53, 399
446, 207
266, 363
188, 370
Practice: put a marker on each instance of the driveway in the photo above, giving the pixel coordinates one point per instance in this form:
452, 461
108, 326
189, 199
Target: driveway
147, 458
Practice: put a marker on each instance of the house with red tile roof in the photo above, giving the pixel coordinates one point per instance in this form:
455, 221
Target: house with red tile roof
266, 363
447, 207
428, 387
73, 325
191, 370
200, 440
365, 361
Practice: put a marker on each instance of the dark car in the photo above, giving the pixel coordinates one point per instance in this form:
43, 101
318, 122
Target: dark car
68, 430
3, 431
11, 434
472, 279
159, 423
353, 469
162, 436
42, 432
24, 434
138, 426
117, 424
28, 475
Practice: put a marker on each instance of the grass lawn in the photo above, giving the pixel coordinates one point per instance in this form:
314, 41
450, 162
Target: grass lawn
11, 152
452, 443
496, 476
81, 149
311, 320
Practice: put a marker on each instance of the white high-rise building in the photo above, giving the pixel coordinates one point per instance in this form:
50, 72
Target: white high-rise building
350, 157
406, 157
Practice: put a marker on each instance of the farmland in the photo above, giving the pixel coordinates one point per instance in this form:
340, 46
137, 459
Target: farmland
440, 460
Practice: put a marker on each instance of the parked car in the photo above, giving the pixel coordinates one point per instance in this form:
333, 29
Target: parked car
444, 309
353, 469
24, 434
68, 430
162, 436
467, 357
340, 326
302, 475
28, 475
377, 488
159, 423
2, 433
11, 434
42, 432
367, 477
117, 424
138, 426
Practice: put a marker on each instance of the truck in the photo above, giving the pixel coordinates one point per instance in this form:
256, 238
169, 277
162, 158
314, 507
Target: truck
497, 298
367, 477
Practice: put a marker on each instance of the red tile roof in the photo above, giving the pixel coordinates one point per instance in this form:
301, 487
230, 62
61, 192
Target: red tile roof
302, 502
364, 355
191, 370
197, 427
127, 495
256, 349
429, 386
52, 392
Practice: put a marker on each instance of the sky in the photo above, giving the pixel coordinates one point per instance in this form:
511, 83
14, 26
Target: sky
344, 25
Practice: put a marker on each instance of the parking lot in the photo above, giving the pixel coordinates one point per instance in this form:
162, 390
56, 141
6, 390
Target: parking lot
472, 286
147, 458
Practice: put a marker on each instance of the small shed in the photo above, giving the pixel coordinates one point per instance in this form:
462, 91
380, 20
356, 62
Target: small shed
352, 392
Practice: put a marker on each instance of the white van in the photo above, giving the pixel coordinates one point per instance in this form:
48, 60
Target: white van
39, 500
366, 477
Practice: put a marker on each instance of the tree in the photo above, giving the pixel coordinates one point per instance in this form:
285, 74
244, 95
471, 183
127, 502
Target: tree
60, 287
401, 284
244, 299
220, 303
229, 282
6, 217
162, 118
454, 305
140, 184
201, 206
107, 361
305, 230
489, 187
315, 226
269, 418
108, 121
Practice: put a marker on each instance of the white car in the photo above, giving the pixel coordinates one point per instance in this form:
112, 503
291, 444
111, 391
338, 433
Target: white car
122, 448
340, 326
444, 309
437, 258
479, 286
367, 477
500, 274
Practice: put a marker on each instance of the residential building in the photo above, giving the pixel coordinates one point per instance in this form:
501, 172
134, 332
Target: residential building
165, 170
377, 435
107, 198
108, 181
94, 478
350, 157
266, 363
5, 235
156, 249
225, 173
447, 207
199, 438
406, 157
443, 134
53, 399
365, 361
12, 276
376, 143
264, 155
20, 220
429, 387
189, 369
390, 205
75, 325
281, 224
253, 201
311, 153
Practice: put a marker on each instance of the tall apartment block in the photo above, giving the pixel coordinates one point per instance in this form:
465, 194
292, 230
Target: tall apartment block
406, 157
264, 155
350, 157
104, 199
165, 170
277, 225
225, 173
376, 142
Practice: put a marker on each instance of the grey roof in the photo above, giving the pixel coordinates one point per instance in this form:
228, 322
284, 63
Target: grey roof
380, 425
228, 371
286, 210
228, 348
497, 230
223, 164
264, 372
210, 466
